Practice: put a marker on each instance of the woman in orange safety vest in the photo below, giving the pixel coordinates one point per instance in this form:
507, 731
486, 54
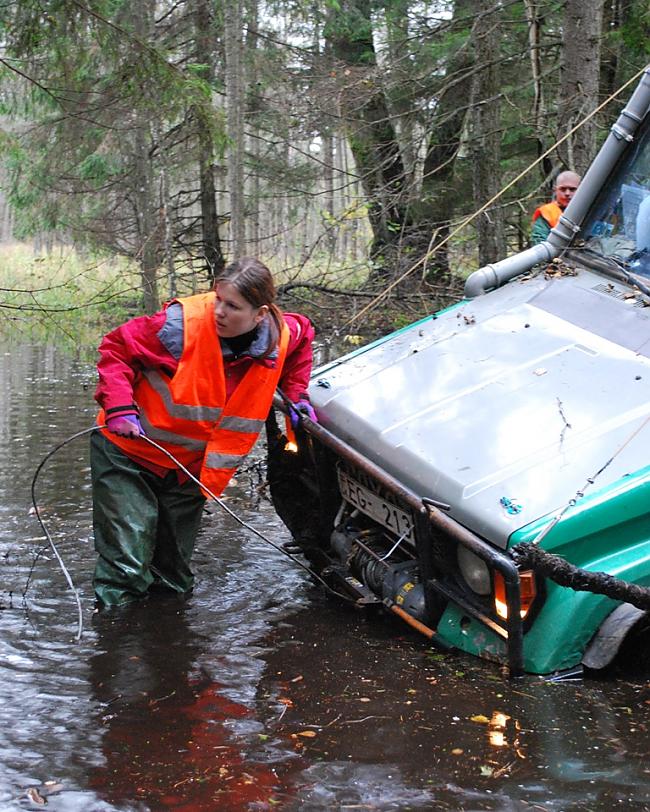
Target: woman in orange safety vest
198, 378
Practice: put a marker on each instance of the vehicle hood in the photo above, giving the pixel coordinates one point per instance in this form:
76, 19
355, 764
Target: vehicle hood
505, 406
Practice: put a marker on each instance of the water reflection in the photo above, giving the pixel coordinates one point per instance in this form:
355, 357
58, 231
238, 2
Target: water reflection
447, 728
258, 693
166, 739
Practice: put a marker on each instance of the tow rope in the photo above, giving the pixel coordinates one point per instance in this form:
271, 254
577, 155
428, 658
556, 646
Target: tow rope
562, 572
529, 555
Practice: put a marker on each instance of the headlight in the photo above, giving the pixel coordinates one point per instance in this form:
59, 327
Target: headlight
474, 571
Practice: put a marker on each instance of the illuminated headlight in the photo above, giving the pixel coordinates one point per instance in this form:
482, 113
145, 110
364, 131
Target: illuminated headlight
474, 571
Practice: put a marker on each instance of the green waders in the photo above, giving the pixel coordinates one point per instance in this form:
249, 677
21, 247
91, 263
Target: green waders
145, 526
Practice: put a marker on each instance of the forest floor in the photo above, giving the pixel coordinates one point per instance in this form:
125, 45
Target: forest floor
360, 315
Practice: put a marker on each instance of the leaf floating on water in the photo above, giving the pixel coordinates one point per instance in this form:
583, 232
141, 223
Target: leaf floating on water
457, 751
486, 770
307, 734
480, 719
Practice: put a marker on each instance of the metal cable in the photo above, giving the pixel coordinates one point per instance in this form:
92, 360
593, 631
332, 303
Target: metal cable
176, 462
61, 563
434, 248
244, 524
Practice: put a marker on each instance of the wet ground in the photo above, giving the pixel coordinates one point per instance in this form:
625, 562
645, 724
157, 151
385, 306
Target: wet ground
258, 692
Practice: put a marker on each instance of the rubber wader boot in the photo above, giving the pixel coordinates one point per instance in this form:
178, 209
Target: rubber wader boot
145, 526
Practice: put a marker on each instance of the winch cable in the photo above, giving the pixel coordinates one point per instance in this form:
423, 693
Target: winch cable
529, 555
55, 550
434, 247
245, 524
213, 496
416, 624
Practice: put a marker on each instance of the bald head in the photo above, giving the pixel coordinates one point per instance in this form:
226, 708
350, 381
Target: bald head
566, 184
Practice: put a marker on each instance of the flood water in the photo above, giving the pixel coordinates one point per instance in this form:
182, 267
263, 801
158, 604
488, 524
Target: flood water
258, 692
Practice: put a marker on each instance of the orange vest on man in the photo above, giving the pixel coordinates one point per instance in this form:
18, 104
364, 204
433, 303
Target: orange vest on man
189, 415
551, 212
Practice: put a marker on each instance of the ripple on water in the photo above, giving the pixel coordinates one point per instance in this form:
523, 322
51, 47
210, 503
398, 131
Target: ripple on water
150, 701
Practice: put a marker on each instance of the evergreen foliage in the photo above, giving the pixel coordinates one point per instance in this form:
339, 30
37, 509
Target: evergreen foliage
369, 129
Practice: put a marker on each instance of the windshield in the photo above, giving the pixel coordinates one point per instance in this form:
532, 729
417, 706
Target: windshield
618, 225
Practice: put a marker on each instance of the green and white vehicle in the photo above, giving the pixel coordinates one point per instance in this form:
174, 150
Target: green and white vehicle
518, 417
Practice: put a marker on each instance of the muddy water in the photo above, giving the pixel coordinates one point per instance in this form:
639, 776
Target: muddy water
257, 692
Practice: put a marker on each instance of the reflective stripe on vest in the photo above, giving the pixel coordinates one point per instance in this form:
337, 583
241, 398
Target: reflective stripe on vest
182, 410
188, 413
232, 461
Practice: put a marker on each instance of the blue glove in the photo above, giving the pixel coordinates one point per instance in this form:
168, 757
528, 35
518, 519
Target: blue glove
302, 407
127, 425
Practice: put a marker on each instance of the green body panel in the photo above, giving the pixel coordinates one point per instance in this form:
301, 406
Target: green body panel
556, 640
608, 531
606, 522
458, 629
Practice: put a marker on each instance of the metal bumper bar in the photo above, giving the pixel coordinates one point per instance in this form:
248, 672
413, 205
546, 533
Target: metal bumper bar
512, 629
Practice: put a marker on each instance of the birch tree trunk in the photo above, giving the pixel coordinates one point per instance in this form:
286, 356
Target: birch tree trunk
143, 178
252, 110
205, 35
439, 192
535, 55
166, 212
327, 127
369, 126
399, 99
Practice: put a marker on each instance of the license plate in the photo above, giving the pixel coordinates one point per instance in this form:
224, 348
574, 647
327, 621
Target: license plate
381, 510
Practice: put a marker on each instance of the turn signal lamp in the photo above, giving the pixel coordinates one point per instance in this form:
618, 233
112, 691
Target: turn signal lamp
289, 446
528, 593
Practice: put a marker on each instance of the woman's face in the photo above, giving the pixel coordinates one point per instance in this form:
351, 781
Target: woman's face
234, 314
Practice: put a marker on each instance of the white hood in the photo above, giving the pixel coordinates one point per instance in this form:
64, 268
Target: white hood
504, 406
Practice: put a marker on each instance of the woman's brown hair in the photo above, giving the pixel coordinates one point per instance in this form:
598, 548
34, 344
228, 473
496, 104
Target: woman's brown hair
254, 282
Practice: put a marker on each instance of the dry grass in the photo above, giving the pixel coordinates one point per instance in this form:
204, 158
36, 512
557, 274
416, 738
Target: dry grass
63, 297
72, 299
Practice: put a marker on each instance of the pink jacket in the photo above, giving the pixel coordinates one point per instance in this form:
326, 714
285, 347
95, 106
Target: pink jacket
155, 342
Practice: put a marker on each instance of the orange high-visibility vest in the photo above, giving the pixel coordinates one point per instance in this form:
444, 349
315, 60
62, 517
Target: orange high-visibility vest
551, 212
189, 415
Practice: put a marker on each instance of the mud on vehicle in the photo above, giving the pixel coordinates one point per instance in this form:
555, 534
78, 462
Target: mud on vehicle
485, 472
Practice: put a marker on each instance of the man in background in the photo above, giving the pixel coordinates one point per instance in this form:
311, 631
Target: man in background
547, 216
